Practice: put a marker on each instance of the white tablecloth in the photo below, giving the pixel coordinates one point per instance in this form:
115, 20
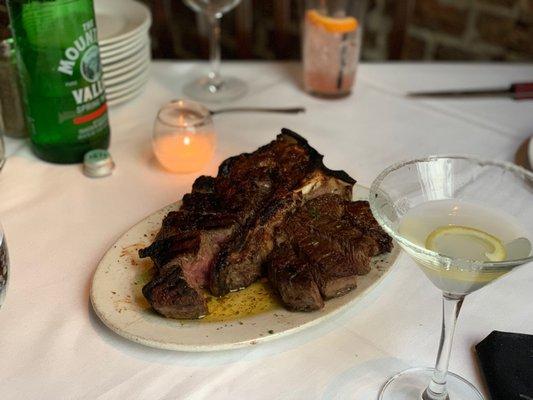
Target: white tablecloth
59, 223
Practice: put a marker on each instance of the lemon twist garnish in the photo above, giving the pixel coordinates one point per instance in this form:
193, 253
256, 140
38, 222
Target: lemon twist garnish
497, 253
332, 24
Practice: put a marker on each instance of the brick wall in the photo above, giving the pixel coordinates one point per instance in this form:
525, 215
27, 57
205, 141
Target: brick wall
437, 30
471, 30
455, 30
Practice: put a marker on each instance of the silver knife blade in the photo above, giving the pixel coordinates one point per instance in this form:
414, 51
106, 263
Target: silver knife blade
464, 93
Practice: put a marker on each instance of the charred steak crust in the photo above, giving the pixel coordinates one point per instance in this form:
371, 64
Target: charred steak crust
298, 172
315, 155
292, 279
239, 263
226, 227
329, 241
171, 295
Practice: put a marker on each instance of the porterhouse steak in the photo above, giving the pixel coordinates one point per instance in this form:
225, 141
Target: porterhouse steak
226, 227
320, 250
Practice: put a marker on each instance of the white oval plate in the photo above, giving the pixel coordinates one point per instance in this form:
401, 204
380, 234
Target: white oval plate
118, 301
118, 20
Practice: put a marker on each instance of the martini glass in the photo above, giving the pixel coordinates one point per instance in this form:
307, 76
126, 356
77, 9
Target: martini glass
458, 197
213, 87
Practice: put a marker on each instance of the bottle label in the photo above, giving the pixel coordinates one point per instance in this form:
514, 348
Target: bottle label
81, 63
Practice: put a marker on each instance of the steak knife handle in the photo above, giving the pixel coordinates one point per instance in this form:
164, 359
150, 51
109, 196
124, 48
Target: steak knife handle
522, 91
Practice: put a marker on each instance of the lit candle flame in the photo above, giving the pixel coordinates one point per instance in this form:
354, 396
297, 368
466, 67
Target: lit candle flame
184, 152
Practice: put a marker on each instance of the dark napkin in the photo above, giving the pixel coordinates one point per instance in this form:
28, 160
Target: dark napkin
507, 363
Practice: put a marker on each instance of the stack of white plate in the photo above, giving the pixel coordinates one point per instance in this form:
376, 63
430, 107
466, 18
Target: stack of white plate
124, 47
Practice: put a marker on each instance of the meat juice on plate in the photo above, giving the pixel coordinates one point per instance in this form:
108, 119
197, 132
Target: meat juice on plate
465, 231
256, 299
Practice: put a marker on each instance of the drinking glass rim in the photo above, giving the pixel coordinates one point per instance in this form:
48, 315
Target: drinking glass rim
203, 110
495, 266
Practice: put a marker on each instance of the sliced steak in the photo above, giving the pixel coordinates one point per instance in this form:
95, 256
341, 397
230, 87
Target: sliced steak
291, 277
331, 268
171, 295
300, 175
334, 241
166, 248
239, 263
358, 213
226, 227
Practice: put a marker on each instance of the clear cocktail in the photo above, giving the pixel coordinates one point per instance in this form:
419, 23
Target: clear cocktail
465, 222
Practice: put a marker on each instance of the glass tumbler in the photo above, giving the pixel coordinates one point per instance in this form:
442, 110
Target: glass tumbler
332, 31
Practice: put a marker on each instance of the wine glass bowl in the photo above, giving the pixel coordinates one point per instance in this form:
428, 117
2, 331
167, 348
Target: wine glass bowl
465, 222
212, 6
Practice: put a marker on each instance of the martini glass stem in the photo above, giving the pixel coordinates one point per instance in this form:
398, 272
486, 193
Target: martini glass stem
451, 306
214, 79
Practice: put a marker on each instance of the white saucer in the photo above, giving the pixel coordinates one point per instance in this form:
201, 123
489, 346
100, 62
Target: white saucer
129, 85
126, 76
114, 96
119, 20
125, 48
126, 54
124, 65
115, 101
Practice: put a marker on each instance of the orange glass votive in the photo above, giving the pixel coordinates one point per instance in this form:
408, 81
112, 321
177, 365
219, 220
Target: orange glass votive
184, 137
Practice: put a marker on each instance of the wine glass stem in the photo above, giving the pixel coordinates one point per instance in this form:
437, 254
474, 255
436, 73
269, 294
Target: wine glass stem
214, 52
451, 305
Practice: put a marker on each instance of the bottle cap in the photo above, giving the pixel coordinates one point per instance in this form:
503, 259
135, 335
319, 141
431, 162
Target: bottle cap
98, 163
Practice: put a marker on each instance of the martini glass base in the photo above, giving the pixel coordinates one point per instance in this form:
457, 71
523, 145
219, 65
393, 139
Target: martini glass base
202, 90
411, 383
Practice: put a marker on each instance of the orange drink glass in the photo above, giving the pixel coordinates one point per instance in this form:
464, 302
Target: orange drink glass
331, 46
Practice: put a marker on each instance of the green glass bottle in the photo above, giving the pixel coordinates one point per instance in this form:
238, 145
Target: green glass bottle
61, 76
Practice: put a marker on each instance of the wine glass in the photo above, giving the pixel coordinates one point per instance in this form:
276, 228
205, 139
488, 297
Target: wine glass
213, 87
465, 222
4, 267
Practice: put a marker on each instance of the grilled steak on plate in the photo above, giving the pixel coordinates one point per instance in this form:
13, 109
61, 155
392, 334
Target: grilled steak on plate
228, 226
324, 241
